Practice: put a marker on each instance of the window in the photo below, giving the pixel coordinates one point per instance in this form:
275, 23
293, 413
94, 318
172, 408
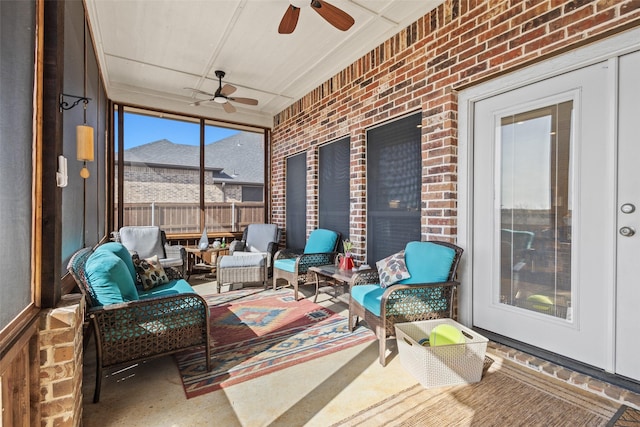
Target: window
536, 204
333, 187
163, 176
296, 194
252, 194
394, 179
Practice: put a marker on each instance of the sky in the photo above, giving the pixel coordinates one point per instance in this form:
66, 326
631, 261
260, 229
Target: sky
141, 130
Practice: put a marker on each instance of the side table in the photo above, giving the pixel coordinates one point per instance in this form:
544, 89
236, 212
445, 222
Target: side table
332, 272
198, 259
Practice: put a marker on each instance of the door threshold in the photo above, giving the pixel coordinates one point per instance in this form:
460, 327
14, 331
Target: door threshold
563, 362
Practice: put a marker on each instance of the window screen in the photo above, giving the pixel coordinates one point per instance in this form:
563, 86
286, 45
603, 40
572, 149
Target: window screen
17, 41
333, 191
296, 201
394, 165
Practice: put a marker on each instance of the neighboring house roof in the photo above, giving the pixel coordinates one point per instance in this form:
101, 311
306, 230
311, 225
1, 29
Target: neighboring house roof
238, 158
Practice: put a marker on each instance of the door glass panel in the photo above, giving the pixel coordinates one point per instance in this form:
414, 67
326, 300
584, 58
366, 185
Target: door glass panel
535, 209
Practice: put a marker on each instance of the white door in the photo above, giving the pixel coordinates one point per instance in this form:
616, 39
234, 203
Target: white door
544, 232
628, 211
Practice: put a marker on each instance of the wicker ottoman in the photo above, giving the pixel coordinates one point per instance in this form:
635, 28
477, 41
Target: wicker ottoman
242, 268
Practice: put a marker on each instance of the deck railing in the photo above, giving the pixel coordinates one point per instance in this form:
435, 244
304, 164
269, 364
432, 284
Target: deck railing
180, 218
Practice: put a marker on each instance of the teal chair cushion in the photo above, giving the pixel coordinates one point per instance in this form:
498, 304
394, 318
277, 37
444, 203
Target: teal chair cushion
174, 287
122, 253
427, 262
321, 241
109, 278
287, 264
368, 296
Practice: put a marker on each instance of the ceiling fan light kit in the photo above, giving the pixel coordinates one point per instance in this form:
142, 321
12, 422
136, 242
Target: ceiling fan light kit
333, 15
222, 95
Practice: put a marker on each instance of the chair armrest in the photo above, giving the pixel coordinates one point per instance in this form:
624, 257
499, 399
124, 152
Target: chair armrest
288, 253
369, 276
428, 300
305, 261
175, 251
236, 245
272, 248
115, 322
139, 329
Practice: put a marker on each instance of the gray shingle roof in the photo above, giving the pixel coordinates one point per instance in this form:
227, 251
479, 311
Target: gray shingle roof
238, 158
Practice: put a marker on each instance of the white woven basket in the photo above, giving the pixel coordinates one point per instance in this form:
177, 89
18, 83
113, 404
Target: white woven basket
440, 365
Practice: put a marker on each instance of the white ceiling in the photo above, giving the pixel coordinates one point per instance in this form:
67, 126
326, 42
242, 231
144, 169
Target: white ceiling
149, 51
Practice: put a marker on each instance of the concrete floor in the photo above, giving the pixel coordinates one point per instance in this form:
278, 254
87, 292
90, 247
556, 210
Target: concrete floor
316, 393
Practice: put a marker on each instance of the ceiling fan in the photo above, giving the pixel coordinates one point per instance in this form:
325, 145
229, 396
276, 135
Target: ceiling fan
222, 95
334, 16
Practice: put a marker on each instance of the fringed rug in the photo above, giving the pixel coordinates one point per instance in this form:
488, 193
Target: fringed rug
255, 332
508, 395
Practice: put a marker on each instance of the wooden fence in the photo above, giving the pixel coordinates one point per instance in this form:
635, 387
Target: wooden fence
180, 218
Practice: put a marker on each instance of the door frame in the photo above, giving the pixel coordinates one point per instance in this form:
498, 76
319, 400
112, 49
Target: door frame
605, 50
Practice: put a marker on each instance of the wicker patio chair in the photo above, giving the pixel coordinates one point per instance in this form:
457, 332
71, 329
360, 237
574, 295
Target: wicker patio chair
150, 240
411, 299
293, 265
162, 321
258, 238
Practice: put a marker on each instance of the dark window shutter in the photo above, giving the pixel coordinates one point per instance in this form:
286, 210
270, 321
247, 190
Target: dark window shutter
333, 191
296, 210
394, 177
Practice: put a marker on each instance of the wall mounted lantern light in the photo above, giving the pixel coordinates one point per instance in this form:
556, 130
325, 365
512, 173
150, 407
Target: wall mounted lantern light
84, 150
84, 133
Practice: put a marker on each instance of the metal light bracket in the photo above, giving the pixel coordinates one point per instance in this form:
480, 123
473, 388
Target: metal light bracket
64, 105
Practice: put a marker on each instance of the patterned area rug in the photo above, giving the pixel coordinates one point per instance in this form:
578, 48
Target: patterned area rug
255, 332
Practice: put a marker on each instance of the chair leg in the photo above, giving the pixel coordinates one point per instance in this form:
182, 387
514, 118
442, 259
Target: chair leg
207, 353
382, 346
353, 321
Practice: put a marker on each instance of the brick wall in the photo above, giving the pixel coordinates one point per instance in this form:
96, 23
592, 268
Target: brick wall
458, 44
60, 340
143, 184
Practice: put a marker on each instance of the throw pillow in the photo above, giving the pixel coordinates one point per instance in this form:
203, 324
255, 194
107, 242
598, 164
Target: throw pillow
392, 269
151, 272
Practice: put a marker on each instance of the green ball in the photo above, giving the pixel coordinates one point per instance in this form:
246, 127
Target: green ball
446, 334
540, 302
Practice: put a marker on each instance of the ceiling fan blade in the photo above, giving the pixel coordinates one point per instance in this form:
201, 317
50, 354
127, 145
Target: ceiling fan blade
228, 107
336, 17
289, 20
247, 101
227, 90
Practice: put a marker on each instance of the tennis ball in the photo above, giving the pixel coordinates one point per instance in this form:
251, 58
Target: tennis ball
544, 303
446, 334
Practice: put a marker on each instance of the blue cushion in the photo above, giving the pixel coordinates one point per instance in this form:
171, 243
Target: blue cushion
174, 287
109, 278
368, 296
122, 252
427, 262
321, 241
288, 264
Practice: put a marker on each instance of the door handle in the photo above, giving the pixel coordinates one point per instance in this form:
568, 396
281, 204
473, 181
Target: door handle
627, 231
